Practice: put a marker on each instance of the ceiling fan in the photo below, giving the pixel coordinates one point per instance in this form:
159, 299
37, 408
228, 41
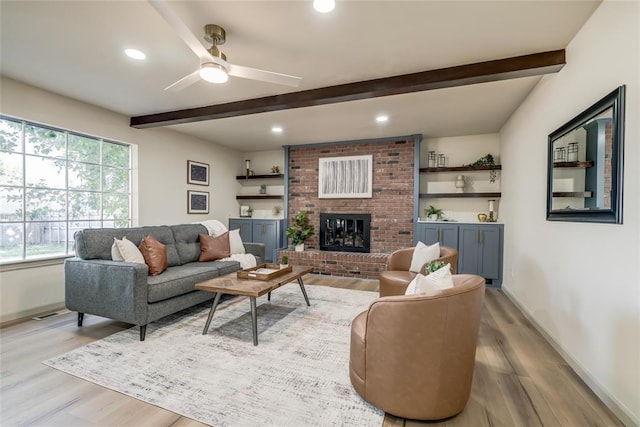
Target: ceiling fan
214, 67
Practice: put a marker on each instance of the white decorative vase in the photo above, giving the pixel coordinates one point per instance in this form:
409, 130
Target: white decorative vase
300, 247
460, 184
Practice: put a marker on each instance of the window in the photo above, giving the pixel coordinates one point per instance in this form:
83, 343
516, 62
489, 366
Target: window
54, 182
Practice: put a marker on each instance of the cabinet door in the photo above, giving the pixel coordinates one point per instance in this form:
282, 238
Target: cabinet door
480, 251
246, 232
266, 231
446, 234
426, 233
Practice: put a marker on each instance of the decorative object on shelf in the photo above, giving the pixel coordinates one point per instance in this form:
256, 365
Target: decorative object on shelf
572, 152
197, 202
275, 169
441, 161
482, 217
197, 173
433, 266
263, 189
431, 159
559, 154
460, 184
492, 216
433, 213
346, 177
284, 262
300, 230
247, 166
276, 210
486, 160
250, 211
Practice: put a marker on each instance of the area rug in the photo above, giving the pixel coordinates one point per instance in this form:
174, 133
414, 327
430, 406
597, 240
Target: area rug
298, 375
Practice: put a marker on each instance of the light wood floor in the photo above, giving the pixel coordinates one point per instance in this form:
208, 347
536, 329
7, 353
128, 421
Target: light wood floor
519, 379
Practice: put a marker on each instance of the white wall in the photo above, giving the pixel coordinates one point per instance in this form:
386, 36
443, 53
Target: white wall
580, 282
460, 150
160, 189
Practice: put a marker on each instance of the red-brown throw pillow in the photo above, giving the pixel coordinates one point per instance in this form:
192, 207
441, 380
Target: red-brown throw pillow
155, 255
213, 248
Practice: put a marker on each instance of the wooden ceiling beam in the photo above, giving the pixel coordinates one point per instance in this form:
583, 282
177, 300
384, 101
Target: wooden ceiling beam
481, 72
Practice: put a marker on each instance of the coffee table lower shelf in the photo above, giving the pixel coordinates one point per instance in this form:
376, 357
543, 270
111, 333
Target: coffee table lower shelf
232, 285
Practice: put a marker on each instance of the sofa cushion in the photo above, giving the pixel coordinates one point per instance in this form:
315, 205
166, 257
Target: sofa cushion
213, 248
95, 243
181, 279
127, 251
187, 243
423, 254
235, 242
155, 255
164, 235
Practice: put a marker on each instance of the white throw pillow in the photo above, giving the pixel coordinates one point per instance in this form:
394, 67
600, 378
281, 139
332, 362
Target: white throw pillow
438, 280
411, 289
115, 252
129, 251
423, 254
235, 242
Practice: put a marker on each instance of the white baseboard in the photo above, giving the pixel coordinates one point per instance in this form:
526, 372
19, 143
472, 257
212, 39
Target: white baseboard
620, 410
21, 316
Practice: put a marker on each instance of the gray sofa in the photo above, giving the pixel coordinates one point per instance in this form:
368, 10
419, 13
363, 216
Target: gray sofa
95, 284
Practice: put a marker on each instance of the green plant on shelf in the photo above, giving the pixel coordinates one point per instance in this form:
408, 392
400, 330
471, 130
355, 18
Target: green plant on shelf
431, 211
487, 160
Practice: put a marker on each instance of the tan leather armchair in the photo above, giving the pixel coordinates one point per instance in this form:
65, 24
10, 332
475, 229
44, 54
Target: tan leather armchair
395, 279
413, 356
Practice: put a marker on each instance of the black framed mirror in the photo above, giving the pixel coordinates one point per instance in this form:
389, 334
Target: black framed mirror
585, 160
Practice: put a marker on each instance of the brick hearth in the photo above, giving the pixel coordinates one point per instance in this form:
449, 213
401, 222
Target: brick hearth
345, 264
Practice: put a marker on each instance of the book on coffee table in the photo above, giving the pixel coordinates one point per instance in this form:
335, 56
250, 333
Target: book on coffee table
263, 272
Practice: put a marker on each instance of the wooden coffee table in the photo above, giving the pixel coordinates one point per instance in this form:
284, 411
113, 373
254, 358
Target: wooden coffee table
230, 284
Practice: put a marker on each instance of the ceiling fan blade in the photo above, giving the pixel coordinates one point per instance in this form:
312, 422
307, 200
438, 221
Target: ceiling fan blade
262, 75
184, 82
162, 7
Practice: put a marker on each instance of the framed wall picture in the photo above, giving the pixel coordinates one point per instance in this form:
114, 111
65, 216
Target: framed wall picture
197, 173
245, 211
345, 177
197, 202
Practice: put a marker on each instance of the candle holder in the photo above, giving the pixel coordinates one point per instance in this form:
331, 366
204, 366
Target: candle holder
431, 159
572, 152
492, 217
441, 160
560, 154
247, 165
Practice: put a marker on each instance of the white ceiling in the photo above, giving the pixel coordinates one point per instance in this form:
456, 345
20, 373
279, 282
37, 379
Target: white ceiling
75, 48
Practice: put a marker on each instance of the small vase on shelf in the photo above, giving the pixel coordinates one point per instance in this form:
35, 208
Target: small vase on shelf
460, 184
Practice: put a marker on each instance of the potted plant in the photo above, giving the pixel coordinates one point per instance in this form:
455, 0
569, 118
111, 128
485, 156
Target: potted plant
284, 262
300, 230
433, 213
433, 266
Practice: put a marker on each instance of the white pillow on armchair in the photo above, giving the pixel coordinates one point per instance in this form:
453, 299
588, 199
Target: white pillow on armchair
423, 254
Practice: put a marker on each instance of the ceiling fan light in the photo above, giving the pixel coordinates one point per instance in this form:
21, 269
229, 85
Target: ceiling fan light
324, 6
213, 73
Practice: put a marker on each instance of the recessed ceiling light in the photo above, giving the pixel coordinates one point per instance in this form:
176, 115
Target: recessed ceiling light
135, 54
276, 129
382, 118
324, 6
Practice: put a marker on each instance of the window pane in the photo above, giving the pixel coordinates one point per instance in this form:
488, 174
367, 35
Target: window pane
45, 205
10, 169
10, 204
84, 149
115, 154
10, 135
44, 142
83, 176
10, 241
84, 205
46, 238
115, 180
116, 206
41, 172
117, 223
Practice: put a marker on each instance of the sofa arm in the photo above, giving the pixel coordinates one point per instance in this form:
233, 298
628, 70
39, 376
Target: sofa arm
257, 249
117, 290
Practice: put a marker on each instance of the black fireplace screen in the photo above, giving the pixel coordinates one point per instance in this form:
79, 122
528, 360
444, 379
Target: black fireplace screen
345, 232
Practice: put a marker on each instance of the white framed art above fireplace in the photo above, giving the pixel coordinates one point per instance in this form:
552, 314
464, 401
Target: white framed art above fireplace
345, 177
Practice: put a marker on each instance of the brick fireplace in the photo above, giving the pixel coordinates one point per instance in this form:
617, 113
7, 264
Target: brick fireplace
390, 207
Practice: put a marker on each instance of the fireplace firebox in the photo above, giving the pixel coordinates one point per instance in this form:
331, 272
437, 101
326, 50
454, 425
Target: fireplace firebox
345, 232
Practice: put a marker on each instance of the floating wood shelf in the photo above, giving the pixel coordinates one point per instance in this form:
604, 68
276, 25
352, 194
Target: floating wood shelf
462, 168
573, 164
259, 196
456, 195
572, 194
265, 176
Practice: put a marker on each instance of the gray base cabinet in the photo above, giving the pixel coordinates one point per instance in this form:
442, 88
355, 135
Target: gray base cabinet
267, 231
480, 246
